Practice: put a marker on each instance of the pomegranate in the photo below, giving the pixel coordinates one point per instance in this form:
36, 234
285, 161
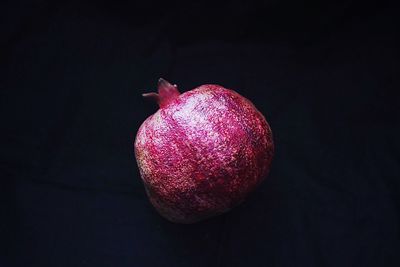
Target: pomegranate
202, 152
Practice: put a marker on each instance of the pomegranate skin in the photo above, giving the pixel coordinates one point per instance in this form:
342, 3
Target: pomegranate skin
202, 152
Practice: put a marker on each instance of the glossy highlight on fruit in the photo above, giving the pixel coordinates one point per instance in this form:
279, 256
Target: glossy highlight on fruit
202, 152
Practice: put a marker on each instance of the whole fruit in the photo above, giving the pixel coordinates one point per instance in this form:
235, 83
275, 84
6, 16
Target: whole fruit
202, 152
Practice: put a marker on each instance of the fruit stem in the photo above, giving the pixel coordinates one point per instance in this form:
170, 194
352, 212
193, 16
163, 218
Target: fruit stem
166, 93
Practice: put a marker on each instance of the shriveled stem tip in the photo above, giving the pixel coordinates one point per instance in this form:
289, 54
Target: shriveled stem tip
162, 82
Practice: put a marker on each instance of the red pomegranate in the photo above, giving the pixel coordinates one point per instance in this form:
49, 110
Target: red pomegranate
202, 152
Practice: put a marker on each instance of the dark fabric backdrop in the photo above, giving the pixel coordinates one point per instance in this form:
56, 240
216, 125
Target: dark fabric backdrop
325, 76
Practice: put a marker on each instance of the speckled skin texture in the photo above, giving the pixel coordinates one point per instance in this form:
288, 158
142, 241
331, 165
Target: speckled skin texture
202, 152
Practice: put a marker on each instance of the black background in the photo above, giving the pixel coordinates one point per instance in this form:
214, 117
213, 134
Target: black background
325, 76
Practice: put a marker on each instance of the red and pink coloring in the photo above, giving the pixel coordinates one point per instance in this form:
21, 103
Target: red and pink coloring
202, 152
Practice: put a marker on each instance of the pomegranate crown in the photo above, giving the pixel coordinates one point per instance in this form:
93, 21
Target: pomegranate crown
167, 92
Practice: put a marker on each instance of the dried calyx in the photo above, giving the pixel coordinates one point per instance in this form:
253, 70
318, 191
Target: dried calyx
166, 93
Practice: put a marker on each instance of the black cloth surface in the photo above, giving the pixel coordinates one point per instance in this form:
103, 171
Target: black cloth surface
325, 76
